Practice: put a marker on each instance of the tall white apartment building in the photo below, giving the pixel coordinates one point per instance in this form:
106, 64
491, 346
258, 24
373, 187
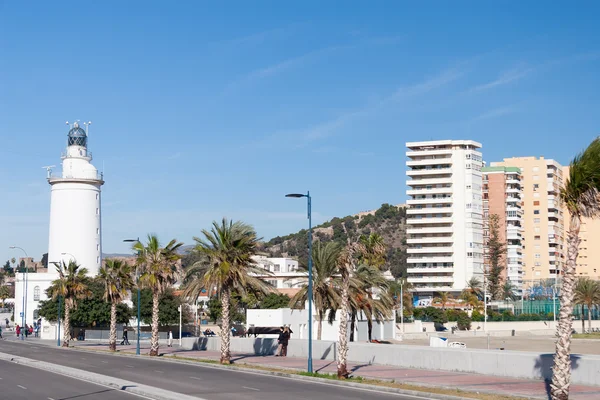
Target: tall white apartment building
444, 215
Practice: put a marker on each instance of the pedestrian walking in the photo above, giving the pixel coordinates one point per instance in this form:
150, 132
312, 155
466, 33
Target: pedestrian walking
125, 340
170, 338
1, 333
18, 330
7, 323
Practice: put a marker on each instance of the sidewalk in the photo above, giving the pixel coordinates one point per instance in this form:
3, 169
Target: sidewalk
454, 380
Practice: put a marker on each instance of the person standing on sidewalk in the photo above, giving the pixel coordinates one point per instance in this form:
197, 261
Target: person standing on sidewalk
279, 344
125, 340
285, 340
170, 338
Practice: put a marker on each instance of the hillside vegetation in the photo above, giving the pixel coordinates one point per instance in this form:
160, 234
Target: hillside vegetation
389, 221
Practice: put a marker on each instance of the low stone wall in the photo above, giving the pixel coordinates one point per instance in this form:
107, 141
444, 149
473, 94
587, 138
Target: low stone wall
528, 365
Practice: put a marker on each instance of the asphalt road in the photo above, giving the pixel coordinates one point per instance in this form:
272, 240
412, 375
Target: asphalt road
194, 380
21, 382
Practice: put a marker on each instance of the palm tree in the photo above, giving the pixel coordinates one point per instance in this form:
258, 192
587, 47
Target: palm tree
226, 264
346, 266
374, 250
394, 291
509, 290
442, 298
4, 294
117, 277
581, 196
474, 286
587, 292
325, 282
369, 282
159, 271
71, 285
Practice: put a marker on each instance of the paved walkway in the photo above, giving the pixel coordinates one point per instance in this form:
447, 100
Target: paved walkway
456, 380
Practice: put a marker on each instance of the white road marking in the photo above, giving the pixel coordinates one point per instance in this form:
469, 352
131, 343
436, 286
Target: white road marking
22, 387
246, 387
105, 362
50, 398
83, 358
196, 378
160, 372
130, 366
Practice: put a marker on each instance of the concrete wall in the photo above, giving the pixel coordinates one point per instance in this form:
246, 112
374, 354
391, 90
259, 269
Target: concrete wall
508, 326
528, 365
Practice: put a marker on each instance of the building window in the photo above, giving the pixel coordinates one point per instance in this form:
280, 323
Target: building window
36, 293
97, 260
536, 237
97, 211
468, 187
468, 156
536, 212
536, 220
536, 177
536, 169
537, 255
468, 166
276, 268
97, 196
536, 186
470, 255
536, 202
97, 231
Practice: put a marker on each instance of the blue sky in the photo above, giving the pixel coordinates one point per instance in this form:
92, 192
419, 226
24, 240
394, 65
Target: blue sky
202, 111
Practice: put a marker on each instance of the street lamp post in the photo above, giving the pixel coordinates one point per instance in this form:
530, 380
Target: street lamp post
24, 311
137, 277
310, 278
402, 308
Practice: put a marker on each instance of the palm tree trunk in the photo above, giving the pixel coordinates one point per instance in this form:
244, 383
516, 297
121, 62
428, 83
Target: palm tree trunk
342, 370
561, 372
370, 327
320, 325
225, 331
154, 339
67, 327
112, 341
590, 318
352, 325
582, 319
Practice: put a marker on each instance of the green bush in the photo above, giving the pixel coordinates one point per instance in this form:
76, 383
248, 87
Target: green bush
463, 322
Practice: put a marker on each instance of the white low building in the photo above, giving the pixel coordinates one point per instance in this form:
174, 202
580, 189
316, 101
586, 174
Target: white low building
297, 320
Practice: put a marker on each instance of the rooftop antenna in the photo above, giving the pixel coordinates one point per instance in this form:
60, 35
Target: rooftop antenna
48, 169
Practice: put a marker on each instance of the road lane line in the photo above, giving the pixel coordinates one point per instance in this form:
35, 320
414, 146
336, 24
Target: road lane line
160, 372
250, 388
50, 398
196, 378
22, 387
129, 366
105, 362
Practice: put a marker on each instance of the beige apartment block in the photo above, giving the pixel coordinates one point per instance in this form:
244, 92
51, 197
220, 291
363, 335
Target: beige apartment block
588, 260
502, 197
542, 219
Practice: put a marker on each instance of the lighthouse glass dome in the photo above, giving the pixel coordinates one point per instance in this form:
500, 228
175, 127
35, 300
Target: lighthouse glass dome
77, 137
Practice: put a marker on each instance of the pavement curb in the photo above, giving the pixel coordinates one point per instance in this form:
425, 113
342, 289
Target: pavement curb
146, 391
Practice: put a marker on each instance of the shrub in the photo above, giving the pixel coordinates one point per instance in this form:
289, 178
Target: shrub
463, 322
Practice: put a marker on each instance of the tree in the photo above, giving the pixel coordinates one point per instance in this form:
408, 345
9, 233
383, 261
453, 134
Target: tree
274, 301
442, 298
159, 272
496, 251
44, 260
581, 196
4, 294
7, 268
587, 292
225, 265
325, 282
347, 266
509, 291
71, 285
118, 282
475, 287
168, 309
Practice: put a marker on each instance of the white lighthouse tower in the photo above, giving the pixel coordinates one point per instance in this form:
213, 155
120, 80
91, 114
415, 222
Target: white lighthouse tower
75, 212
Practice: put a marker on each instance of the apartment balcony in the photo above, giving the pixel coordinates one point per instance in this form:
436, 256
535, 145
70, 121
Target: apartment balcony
438, 180
428, 210
430, 270
513, 190
429, 250
433, 279
426, 259
512, 199
435, 220
513, 218
428, 171
429, 161
440, 190
429, 239
513, 181
429, 152
514, 234
429, 229
437, 200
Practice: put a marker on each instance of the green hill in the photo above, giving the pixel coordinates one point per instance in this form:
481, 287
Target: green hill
389, 221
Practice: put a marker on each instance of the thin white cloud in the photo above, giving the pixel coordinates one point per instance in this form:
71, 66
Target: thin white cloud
444, 78
496, 113
174, 156
505, 78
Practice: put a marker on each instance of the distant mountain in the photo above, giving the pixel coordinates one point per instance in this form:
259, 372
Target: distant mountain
389, 221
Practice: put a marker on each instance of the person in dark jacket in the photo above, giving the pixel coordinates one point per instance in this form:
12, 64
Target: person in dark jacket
125, 340
287, 333
278, 352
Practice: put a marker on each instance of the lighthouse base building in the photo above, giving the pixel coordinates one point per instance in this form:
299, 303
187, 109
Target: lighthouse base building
75, 228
